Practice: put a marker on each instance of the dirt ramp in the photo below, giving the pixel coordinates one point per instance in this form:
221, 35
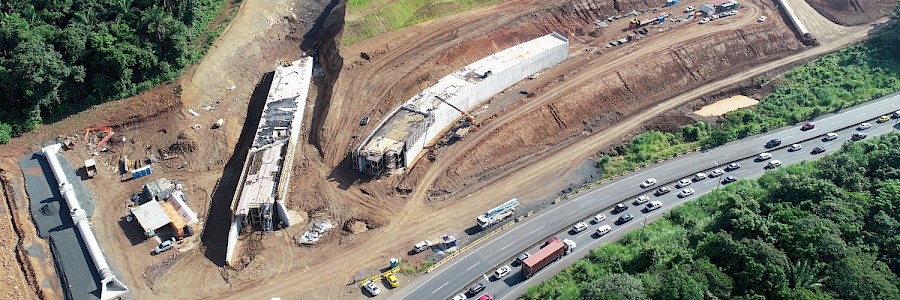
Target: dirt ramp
592, 106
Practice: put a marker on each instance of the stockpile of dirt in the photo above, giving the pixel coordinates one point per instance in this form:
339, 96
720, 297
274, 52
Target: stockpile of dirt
853, 12
591, 107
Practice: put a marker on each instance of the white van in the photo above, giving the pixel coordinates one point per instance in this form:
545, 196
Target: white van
830, 136
603, 230
764, 156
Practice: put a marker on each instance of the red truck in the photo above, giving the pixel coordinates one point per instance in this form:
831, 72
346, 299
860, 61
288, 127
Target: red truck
552, 250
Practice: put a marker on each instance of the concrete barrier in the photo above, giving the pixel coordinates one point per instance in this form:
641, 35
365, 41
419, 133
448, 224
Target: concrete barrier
379, 276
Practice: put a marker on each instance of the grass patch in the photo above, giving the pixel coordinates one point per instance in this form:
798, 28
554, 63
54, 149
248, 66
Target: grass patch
383, 15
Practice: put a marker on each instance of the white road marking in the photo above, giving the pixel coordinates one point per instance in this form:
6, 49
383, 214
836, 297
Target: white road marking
581, 235
607, 196
507, 246
442, 286
574, 211
859, 115
787, 137
739, 171
837, 121
472, 266
883, 107
536, 230
667, 173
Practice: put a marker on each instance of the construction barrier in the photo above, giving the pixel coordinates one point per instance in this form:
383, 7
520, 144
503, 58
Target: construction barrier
635, 169
520, 218
660, 160
603, 181
555, 201
624, 173
581, 190
530, 213
379, 276
646, 165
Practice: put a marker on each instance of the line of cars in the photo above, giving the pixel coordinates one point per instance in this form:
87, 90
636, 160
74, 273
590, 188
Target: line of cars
719, 16
685, 192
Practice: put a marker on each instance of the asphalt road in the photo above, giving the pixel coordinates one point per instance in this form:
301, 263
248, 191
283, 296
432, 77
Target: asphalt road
470, 267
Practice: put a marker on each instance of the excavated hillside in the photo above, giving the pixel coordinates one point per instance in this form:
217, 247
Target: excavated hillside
853, 12
419, 60
608, 98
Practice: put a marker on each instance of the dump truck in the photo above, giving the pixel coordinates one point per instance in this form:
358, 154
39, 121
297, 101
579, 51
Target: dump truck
497, 214
553, 250
90, 168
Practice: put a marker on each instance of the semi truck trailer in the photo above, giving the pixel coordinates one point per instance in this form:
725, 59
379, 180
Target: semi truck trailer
553, 250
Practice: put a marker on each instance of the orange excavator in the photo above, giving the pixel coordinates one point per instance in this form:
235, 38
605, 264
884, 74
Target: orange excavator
107, 129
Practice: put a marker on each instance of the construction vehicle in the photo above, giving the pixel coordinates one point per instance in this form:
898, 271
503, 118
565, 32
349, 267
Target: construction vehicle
552, 250
498, 214
635, 23
107, 129
90, 168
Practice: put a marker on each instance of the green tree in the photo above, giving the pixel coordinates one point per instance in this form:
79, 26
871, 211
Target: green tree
861, 276
615, 286
804, 275
679, 285
5, 133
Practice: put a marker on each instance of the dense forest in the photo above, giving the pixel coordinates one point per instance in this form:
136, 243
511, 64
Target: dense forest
825, 229
61, 56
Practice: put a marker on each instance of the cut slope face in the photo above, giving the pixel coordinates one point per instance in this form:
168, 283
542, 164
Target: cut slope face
593, 105
853, 12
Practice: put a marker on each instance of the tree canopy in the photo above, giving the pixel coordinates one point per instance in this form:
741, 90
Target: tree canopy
61, 56
825, 229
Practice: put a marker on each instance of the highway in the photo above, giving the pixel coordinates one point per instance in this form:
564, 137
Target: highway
457, 275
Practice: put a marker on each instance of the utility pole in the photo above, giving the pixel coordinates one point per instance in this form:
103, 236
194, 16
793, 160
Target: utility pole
641, 233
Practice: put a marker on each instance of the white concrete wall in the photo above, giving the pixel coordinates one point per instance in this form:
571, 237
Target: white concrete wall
472, 96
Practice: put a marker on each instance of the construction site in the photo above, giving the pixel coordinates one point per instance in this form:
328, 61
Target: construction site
313, 163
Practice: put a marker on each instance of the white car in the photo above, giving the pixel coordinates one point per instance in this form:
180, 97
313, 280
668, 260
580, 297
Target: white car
603, 230
795, 147
164, 246
648, 183
685, 193
423, 245
713, 17
774, 164
641, 200
732, 13
699, 176
864, 126
683, 183
502, 271
654, 205
716, 173
762, 19
704, 20
689, 9
764, 156
372, 288
599, 218
830, 136
579, 227
459, 297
